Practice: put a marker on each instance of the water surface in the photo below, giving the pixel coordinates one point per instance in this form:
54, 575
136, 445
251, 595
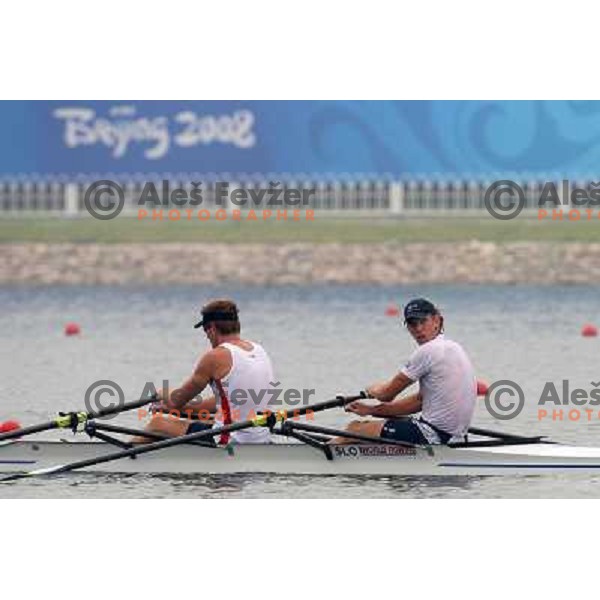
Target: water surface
335, 339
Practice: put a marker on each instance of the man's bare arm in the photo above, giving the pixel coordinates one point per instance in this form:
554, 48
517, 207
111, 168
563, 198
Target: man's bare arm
195, 384
408, 405
201, 404
399, 407
387, 391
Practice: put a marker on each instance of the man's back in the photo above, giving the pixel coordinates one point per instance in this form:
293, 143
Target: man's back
245, 387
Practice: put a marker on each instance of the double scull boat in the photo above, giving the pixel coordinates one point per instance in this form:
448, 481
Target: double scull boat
302, 459
299, 449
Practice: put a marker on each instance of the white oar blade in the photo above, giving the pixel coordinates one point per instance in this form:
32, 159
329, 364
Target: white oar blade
46, 471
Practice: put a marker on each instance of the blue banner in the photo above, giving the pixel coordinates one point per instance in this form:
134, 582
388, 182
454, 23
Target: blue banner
387, 138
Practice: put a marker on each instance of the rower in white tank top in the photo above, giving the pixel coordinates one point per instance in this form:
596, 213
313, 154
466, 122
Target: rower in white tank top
239, 373
245, 388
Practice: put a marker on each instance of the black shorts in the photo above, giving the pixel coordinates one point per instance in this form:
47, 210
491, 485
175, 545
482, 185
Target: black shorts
197, 426
403, 430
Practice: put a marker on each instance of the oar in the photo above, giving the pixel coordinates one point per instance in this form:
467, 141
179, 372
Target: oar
260, 421
72, 419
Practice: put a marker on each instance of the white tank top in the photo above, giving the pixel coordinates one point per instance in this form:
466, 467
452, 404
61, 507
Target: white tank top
246, 388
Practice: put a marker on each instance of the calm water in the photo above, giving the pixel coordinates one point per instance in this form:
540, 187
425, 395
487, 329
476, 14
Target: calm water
331, 338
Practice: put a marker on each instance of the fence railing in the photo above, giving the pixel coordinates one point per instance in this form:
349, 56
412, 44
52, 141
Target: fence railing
373, 196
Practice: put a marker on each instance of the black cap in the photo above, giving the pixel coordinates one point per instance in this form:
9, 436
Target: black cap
419, 308
216, 315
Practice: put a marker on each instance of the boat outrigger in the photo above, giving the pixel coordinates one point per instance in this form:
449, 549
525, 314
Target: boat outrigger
301, 448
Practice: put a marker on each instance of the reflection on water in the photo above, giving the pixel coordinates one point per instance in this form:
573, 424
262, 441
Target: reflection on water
334, 339
106, 485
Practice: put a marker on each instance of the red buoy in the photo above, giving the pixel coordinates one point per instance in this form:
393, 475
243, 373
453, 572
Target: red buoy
589, 330
72, 329
9, 426
392, 311
482, 387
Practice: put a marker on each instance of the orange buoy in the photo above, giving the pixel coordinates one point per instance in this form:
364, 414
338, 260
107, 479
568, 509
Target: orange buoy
72, 329
392, 311
9, 426
482, 387
589, 330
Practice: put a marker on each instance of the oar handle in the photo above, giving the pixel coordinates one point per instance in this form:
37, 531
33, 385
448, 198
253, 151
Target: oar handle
111, 410
335, 403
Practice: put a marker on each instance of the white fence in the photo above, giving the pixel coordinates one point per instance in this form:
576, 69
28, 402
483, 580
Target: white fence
25, 197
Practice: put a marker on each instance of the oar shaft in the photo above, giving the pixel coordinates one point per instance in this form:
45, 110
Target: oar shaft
16, 433
56, 423
175, 441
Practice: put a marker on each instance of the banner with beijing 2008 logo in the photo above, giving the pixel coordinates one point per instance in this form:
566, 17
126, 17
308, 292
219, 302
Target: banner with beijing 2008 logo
337, 138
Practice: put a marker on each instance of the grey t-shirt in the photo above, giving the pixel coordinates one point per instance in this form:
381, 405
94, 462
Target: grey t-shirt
448, 386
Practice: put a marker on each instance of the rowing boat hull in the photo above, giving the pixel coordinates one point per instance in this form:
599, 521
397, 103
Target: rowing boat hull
300, 459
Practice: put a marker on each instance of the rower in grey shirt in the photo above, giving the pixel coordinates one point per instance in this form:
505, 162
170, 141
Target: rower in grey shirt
447, 388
